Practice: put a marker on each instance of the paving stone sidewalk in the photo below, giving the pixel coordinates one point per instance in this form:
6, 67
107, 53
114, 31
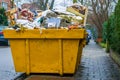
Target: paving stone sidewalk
97, 65
7, 70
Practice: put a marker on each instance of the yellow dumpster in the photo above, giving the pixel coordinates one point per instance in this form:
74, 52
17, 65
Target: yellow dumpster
52, 51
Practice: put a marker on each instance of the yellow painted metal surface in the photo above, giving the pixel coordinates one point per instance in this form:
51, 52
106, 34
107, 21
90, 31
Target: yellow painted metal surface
52, 51
48, 33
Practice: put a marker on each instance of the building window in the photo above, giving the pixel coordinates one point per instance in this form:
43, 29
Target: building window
4, 5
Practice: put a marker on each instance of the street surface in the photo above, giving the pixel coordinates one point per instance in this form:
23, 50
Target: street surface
7, 71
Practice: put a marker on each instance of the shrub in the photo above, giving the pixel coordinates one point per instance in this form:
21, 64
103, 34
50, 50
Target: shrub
3, 17
114, 30
103, 45
104, 33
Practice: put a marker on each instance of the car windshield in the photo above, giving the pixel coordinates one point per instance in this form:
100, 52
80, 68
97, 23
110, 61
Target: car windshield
89, 32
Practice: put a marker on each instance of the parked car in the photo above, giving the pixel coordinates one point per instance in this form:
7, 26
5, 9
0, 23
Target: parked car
3, 41
88, 36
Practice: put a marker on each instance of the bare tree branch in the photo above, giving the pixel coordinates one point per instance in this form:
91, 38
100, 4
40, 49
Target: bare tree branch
100, 13
115, 1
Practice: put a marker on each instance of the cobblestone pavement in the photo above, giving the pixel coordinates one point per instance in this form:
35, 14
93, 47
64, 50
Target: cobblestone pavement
97, 65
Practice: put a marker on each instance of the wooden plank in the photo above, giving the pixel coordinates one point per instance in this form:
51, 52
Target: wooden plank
70, 9
85, 18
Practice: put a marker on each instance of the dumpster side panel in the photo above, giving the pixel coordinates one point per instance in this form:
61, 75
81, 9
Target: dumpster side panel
53, 51
70, 51
18, 53
44, 56
79, 53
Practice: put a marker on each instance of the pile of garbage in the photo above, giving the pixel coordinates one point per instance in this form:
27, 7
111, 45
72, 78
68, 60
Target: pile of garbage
50, 19
78, 8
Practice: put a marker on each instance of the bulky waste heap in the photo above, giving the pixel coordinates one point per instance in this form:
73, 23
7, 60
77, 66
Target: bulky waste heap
73, 18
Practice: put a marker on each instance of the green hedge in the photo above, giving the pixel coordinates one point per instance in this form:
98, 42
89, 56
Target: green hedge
3, 17
112, 30
115, 41
104, 32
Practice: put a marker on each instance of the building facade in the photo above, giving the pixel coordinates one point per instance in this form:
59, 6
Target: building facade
6, 4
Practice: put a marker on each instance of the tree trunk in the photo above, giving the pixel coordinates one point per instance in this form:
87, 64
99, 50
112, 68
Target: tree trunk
41, 4
45, 4
52, 4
